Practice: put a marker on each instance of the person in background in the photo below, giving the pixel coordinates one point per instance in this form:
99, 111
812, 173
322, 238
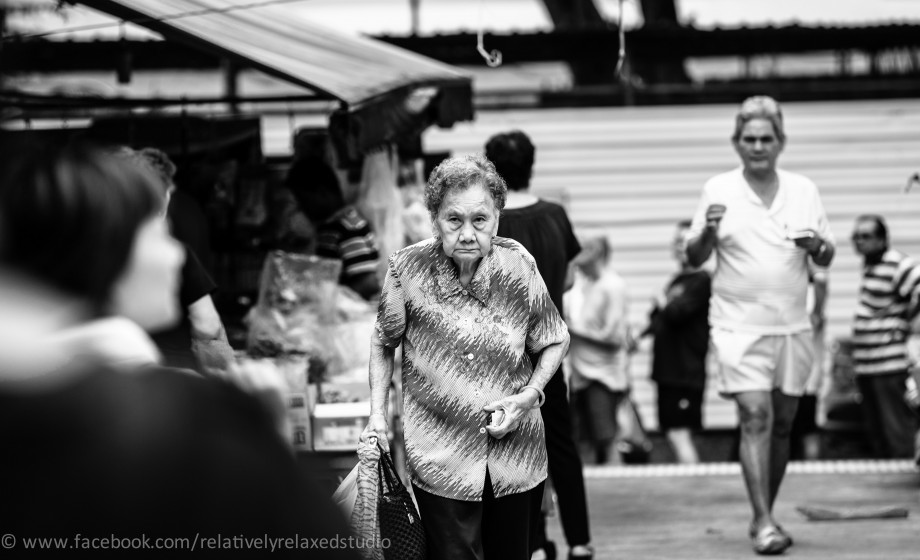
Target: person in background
543, 228
199, 342
889, 300
805, 438
100, 442
468, 308
596, 314
680, 326
764, 225
341, 231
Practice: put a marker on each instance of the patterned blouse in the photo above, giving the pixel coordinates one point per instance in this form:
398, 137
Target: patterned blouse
462, 349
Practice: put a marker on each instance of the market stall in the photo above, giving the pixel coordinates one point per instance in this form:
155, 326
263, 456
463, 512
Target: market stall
374, 101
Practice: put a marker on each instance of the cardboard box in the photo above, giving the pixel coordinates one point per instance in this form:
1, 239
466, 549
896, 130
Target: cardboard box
337, 426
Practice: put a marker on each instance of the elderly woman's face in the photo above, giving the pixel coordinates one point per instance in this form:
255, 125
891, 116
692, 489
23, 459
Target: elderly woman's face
466, 223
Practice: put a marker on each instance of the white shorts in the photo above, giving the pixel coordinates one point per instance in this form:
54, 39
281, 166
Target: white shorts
758, 362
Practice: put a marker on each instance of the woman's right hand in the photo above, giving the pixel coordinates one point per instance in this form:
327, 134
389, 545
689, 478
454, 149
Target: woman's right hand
376, 427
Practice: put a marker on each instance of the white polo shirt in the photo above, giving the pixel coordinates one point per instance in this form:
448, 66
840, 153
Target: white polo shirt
760, 283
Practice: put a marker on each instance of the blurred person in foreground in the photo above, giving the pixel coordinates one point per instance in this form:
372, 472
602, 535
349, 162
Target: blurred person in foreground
468, 309
889, 300
763, 224
680, 325
597, 317
100, 441
199, 341
543, 228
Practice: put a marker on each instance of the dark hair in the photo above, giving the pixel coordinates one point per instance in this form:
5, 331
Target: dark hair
160, 162
153, 160
512, 153
460, 173
69, 216
881, 228
315, 186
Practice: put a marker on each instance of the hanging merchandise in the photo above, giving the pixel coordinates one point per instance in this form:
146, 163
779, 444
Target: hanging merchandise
380, 202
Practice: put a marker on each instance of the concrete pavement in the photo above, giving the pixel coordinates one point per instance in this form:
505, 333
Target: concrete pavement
701, 512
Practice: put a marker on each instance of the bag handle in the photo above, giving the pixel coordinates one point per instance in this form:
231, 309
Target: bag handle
386, 471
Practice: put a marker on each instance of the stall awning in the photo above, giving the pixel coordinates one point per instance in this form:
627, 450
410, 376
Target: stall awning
379, 85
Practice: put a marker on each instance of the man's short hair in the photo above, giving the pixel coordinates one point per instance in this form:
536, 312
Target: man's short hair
760, 107
69, 216
881, 228
512, 153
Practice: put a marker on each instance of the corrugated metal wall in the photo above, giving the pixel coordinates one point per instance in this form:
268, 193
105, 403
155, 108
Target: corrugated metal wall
634, 172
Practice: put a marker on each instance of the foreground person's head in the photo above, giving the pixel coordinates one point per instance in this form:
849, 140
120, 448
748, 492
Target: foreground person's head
89, 226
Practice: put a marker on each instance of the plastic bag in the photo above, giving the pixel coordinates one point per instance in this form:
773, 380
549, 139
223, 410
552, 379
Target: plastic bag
346, 494
365, 523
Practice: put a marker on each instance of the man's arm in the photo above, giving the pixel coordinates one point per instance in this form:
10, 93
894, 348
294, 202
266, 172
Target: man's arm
700, 248
820, 285
209, 338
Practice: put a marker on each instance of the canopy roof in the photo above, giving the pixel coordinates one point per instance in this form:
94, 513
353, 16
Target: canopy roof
370, 78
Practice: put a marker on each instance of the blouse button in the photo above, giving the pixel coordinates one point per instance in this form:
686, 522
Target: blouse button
482, 430
470, 356
466, 293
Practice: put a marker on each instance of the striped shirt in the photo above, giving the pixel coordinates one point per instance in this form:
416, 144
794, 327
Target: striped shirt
462, 349
760, 283
347, 236
888, 302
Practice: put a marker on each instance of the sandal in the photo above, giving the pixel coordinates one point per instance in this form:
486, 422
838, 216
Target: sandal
752, 531
770, 541
588, 556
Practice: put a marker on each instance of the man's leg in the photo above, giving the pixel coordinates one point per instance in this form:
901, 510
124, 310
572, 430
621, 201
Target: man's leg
681, 440
755, 411
898, 421
565, 468
870, 406
784, 408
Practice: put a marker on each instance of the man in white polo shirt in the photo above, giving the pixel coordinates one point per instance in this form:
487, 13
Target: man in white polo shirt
763, 224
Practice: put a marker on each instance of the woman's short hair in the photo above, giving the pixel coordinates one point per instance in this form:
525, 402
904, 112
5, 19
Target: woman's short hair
760, 107
512, 153
459, 174
69, 216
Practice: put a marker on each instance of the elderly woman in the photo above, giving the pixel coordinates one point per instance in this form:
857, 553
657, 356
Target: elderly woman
470, 309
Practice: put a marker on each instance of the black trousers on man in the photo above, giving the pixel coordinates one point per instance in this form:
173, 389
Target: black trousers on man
565, 470
890, 423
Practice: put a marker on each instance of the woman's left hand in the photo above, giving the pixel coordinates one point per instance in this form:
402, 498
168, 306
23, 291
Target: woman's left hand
511, 411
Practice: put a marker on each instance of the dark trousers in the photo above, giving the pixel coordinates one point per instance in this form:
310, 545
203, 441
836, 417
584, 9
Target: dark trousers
565, 469
890, 423
493, 529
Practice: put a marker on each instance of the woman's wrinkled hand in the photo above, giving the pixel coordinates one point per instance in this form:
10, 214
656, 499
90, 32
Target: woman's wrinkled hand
376, 428
512, 410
